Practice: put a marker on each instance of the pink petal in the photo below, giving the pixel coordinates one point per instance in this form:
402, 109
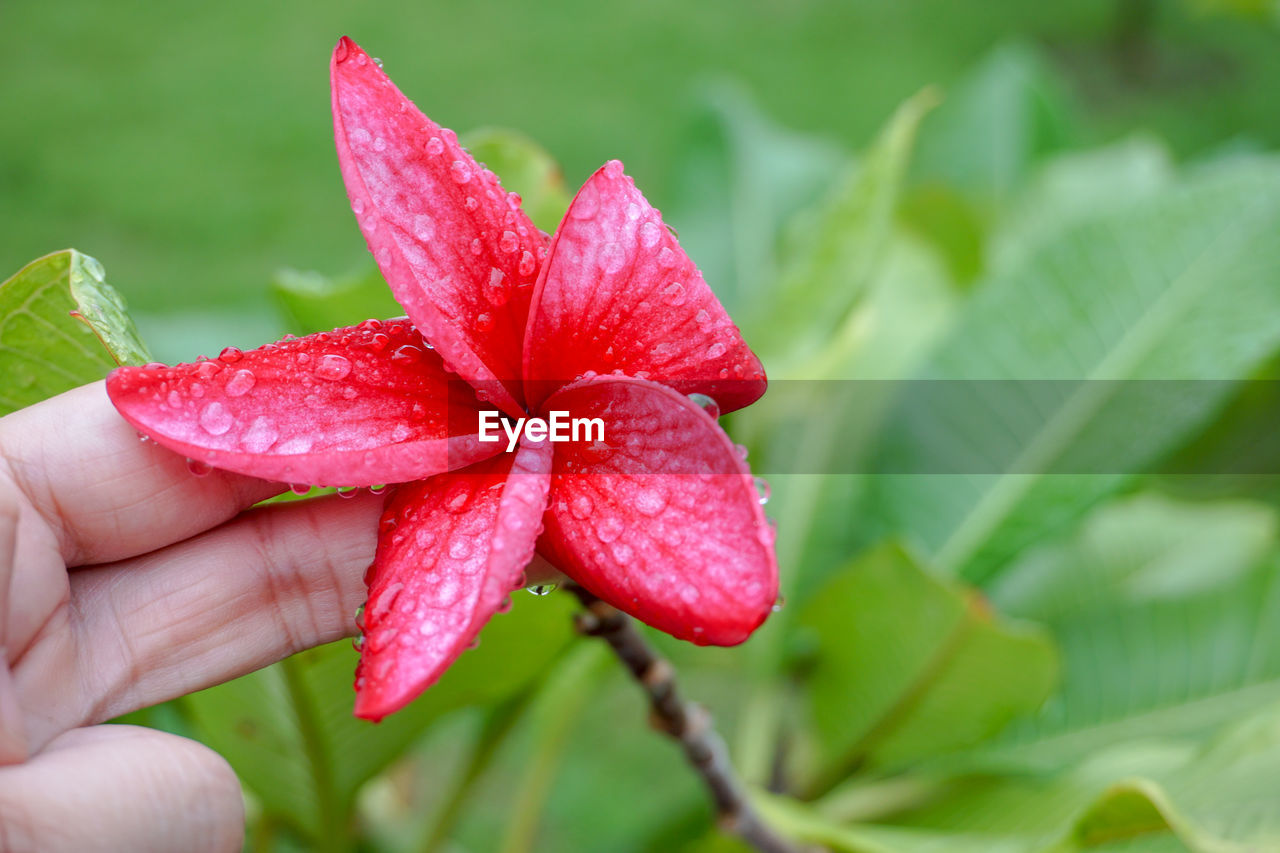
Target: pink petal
619, 295
359, 406
459, 252
662, 519
451, 549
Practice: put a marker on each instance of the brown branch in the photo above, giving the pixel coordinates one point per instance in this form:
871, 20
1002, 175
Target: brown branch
685, 722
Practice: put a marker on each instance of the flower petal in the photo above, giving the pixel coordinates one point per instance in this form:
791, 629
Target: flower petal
451, 549
662, 519
358, 406
459, 253
619, 295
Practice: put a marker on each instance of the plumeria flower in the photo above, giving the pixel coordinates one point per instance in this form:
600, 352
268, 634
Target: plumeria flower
608, 322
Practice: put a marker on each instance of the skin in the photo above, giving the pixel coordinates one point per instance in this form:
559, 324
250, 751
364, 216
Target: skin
125, 581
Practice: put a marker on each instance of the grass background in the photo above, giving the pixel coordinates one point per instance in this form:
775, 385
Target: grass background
188, 146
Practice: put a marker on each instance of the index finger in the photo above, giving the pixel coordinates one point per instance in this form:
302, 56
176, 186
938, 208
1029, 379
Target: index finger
106, 494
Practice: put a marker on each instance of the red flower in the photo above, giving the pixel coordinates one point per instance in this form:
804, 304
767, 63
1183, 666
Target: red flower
610, 321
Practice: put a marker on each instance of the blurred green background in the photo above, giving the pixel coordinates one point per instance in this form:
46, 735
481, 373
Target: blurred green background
189, 145
1018, 660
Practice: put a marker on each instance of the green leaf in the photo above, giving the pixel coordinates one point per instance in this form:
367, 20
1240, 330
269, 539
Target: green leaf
313, 303
1000, 119
835, 251
739, 178
912, 666
1172, 629
61, 325
525, 168
289, 732
1153, 291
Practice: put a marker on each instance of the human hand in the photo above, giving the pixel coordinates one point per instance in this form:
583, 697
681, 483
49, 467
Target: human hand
125, 581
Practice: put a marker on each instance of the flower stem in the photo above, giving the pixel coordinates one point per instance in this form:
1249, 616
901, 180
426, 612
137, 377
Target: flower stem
683, 721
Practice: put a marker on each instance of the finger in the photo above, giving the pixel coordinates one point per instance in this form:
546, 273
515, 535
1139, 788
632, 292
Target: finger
276, 580
106, 494
114, 788
13, 741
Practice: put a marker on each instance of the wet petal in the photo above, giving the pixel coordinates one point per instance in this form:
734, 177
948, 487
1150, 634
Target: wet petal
619, 295
450, 551
662, 519
358, 406
459, 253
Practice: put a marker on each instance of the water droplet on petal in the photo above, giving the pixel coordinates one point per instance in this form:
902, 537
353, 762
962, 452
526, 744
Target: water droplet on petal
763, 490
741, 450
609, 528
198, 468
542, 589
476, 246
435, 147
716, 350
673, 294
707, 404
332, 367
666, 258
612, 257
423, 227
461, 171
528, 263
508, 242
230, 355
299, 488
650, 234
484, 323
650, 501
215, 419
497, 291
581, 506
240, 383
260, 435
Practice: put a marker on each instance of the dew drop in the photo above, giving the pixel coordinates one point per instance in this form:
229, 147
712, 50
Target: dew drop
198, 468
763, 490
707, 404
608, 528
460, 171
542, 589
435, 147
260, 435
650, 234
377, 489
623, 553
240, 383
673, 293
581, 507
666, 258
612, 258
400, 432
299, 488
741, 451
484, 323
508, 242
175, 399
497, 291
332, 367
347, 492
230, 355
471, 204
528, 263
702, 318
716, 350
650, 501
476, 246
215, 419
587, 202
423, 227
406, 353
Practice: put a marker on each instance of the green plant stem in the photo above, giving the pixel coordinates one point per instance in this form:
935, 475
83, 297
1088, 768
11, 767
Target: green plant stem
684, 722
553, 721
333, 836
495, 728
